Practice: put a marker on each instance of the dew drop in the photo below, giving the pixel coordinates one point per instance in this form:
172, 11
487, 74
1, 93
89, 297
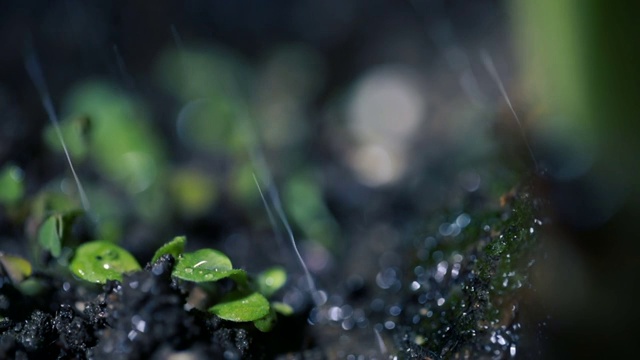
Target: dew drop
415, 286
389, 325
395, 310
188, 270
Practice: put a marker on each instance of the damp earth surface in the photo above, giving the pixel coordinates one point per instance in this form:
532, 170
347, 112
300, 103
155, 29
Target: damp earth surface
392, 165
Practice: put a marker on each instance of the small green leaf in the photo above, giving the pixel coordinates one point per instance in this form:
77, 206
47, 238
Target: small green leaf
266, 323
207, 265
16, 267
11, 184
271, 280
174, 247
282, 308
240, 307
50, 234
56, 230
99, 261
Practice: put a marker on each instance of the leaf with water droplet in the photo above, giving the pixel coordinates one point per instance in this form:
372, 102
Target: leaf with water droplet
271, 280
241, 306
207, 265
174, 247
99, 261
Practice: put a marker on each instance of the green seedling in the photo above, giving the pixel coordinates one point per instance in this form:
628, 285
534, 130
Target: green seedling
133, 167
55, 230
207, 265
174, 247
50, 235
99, 261
242, 306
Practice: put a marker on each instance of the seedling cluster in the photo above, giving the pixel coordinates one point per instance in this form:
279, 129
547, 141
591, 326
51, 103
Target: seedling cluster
99, 261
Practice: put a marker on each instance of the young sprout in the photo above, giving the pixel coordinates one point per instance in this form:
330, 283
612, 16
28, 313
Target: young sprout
206, 265
99, 261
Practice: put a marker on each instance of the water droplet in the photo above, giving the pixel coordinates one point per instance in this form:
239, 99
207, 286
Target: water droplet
188, 270
463, 220
389, 325
415, 286
200, 263
348, 324
441, 271
335, 313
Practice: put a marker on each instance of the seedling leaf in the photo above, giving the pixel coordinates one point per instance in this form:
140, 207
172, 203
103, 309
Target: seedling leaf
99, 261
50, 234
174, 247
271, 280
207, 265
240, 306
266, 323
16, 267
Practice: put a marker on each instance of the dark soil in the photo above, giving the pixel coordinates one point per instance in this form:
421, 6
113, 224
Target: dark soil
141, 318
424, 268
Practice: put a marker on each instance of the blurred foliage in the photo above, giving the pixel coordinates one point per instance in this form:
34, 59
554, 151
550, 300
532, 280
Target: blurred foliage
271, 280
15, 267
211, 83
11, 184
193, 191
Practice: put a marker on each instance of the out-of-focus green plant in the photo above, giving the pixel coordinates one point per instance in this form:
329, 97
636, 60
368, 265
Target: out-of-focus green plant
210, 83
304, 199
11, 184
112, 129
